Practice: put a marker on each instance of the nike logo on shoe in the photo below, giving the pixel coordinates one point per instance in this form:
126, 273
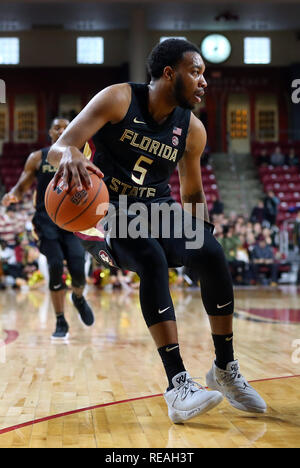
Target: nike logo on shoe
164, 310
135, 120
224, 305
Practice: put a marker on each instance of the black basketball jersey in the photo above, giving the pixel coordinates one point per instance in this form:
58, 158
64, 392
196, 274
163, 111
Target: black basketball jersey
138, 155
44, 226
44, 175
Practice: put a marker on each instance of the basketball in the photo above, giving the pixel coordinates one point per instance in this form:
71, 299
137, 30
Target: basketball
75, 210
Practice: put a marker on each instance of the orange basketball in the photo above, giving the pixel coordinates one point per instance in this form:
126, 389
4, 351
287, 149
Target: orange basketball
75, 210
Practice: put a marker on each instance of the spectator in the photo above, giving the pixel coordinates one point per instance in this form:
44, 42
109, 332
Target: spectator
263, 256
296, 231
277, 158
11, 268
268, 235
271, 203
258, 213
10, 225
257, 229
250, 241
231, 243
218, 206
263, 158
292, 159
2, 277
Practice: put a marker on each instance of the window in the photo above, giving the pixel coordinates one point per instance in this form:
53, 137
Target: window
267, 124
9, 51
239, 124
90, 50
266, 117
257, 50
25, 118
3, 122
172, 37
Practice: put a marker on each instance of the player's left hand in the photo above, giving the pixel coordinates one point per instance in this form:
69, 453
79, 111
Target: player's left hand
9, 198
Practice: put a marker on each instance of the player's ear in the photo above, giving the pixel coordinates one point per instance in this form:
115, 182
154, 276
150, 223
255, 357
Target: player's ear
168, 73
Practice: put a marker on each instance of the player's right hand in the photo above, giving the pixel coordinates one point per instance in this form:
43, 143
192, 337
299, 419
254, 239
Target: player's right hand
74, 166
9, 198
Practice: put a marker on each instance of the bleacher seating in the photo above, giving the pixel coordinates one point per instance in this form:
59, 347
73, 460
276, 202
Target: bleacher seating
12, 161
209, 185
284, 181
257, 147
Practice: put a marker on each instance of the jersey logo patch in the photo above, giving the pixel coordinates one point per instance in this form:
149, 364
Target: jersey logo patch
106, 258
175, 141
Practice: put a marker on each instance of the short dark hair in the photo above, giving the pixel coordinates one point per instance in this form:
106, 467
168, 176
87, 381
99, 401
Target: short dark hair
168, 53
58, 118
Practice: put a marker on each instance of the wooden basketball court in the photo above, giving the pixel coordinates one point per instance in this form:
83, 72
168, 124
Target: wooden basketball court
103, 388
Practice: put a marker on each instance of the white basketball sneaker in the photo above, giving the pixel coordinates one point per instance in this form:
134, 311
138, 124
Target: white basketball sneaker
189, 399
235, 388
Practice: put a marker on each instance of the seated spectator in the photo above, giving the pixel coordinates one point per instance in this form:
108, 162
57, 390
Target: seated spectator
263, 158
30, 261
30, 276
250, 241
11, 268
268, 235
240, 226
10, 224
262, 256
296, 231
231, 244
291, 159
271, 203
258, 213
2, 277
277, 158
218, 206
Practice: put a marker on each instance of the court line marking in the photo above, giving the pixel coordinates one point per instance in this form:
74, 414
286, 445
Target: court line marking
103, 405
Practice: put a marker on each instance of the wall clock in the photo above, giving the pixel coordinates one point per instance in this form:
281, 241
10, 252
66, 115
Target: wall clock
215, 48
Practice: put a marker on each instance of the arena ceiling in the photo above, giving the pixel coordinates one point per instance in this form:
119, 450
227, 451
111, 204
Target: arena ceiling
207, 15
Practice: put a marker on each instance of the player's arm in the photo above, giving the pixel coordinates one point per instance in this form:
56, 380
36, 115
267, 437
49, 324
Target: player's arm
26, 179
189, 168
110, 105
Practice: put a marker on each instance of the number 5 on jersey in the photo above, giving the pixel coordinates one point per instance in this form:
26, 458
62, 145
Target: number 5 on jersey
142, 170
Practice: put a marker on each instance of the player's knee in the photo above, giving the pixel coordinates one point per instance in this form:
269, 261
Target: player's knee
76, 269
78, 279
55, 276
210, 254
151, 262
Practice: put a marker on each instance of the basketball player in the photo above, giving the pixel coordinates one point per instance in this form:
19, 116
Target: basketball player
132, 127
55, 243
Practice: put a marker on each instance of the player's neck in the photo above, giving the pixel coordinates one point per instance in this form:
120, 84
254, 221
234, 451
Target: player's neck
161, 102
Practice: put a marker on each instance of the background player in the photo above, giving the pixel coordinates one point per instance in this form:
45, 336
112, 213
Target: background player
55, 243
122, 119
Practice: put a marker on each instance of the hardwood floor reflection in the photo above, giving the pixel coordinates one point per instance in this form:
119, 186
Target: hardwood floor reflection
116, 360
